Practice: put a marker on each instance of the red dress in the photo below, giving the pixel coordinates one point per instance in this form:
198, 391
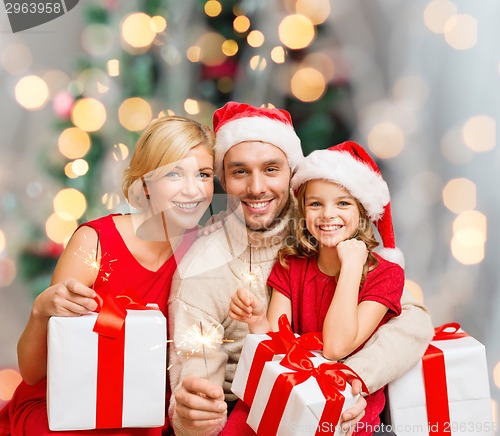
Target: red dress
120, 273
311, 293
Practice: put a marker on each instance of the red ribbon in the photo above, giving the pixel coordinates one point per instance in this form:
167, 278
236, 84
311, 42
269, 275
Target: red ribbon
280, 342
331, 378
110, 326
434, 372
448, 331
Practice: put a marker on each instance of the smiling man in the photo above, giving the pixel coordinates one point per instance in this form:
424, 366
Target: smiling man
256, 153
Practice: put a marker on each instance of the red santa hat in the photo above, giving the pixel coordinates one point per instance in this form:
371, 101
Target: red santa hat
349, 165
240, 122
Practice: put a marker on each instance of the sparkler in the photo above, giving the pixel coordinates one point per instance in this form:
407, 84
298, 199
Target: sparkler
250, 277
198, 339
91, 259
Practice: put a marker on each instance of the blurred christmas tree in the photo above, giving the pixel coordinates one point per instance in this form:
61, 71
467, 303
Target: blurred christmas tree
149, 57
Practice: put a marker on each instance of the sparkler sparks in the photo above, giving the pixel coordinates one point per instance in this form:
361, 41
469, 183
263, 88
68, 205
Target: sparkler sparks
91, 259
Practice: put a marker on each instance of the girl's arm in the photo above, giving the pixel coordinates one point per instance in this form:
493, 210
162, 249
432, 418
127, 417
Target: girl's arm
349, 324
69, 295
247, 308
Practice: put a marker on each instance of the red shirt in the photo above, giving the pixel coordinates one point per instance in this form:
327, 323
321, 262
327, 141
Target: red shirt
311, 292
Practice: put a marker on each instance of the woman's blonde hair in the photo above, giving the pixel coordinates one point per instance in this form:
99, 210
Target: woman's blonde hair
304, 244
165, 141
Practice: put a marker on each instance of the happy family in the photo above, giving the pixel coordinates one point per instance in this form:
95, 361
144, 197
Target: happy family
298, 237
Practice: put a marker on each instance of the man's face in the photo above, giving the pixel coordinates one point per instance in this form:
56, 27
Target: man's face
257, 175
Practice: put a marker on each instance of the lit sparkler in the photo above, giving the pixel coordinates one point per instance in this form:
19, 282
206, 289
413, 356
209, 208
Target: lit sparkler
199, 338
250, 278
91, 259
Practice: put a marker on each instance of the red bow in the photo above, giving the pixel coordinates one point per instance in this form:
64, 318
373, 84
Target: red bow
332, 377
280, 342
110, 326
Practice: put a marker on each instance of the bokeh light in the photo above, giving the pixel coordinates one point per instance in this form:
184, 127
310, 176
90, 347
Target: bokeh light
296, 31
74, 143
137, 30
241, 24
496, 375
191, 106
469, 237
113, 67
437, 13
316, 10
278, 54
210, 44
459, 195
120, 152
258, 63
193, 53
135, 114
415, 290
308, 84
9, 380
213, 8
58, 229
88, 114
230, 47
479, 133
68, 171
386, 140
70, 204
158, 24
110, 200
3, 241
32, 92
16, 58
80, 167
255, 38
460, 32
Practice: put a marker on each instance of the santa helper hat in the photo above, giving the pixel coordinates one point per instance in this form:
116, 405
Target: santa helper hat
240, 122
349, 165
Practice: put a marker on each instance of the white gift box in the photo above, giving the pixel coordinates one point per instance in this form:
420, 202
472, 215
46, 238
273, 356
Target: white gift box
304, 406
467, 387
256, 349
73, 365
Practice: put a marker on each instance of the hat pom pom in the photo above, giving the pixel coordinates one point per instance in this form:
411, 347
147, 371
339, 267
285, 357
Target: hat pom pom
394, 255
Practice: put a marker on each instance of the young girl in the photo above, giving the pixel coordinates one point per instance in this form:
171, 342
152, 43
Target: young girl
170, 183
330, 279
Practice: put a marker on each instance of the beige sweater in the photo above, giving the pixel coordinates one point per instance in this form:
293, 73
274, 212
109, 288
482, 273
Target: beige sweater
209, 274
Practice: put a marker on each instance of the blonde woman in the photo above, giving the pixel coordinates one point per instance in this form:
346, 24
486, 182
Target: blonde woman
170, 183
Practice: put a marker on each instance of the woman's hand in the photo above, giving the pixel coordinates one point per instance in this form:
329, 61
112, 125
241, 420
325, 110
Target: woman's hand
68, 298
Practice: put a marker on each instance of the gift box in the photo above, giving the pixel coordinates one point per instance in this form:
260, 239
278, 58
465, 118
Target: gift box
299, 395
445, 393
261, 348
111, 379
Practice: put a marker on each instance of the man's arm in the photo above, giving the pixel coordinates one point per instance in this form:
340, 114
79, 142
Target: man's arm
396, 346
196, 372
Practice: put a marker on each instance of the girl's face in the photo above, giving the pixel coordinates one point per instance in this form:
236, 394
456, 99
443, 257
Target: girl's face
185, 189
331, 213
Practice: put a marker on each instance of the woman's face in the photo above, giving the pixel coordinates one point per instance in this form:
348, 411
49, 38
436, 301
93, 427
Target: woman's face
184, 190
